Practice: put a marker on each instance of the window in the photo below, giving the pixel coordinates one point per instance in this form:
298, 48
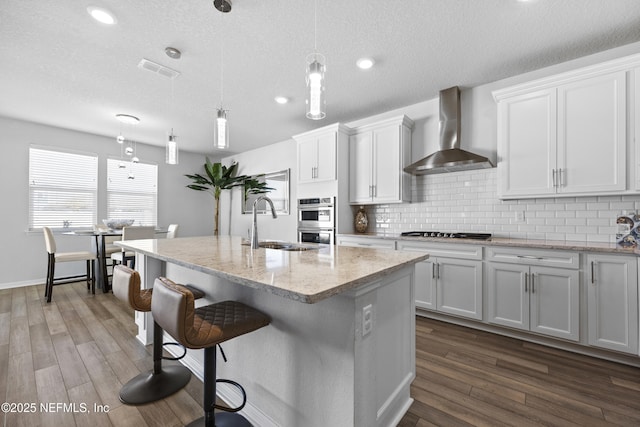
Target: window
63, 188
132, 191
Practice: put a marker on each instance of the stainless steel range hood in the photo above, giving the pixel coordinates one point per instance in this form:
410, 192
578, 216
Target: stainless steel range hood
450, 157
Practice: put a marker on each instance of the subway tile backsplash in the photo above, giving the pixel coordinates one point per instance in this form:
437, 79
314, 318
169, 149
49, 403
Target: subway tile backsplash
467, 201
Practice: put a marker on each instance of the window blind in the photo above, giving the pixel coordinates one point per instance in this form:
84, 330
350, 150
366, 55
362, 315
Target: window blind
63, 188
132, 191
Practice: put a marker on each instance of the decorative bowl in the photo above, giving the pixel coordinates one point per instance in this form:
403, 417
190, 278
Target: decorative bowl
117, 224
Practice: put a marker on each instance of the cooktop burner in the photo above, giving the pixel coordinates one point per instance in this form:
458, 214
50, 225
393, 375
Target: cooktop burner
477, 236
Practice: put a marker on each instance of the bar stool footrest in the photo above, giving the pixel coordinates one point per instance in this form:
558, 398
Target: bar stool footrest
148, 387
177, 344
239, 387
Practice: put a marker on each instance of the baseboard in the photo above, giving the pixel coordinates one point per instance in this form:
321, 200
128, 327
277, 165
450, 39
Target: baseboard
228, 393
25, 283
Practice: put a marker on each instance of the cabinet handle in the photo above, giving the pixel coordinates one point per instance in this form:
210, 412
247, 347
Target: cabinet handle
560, 178
433, 270
438, 271
553, 177
526, 279
375, 190
533, 283
593, 272
528, 257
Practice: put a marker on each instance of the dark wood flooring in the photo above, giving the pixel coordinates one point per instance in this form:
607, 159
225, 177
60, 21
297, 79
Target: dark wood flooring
78, 351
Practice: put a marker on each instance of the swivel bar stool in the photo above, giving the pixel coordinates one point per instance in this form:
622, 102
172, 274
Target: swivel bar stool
205, 327
162, 381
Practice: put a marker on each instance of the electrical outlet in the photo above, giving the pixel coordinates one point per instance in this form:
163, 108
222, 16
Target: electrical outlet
519, 217
367, 319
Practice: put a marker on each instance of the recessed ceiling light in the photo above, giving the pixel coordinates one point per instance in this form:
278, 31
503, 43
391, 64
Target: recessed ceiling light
102, 15
365, 63
128, 119
281, 99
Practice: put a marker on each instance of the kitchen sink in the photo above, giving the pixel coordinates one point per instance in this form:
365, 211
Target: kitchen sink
283, 246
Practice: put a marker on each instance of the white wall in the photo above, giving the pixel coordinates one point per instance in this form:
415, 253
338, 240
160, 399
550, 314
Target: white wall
23, 258
273, 158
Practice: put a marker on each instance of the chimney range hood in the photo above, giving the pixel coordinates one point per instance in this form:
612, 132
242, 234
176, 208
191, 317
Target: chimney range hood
450, 157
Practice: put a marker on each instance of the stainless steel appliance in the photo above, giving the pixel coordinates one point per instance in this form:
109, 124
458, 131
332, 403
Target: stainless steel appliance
316, 220
447, 235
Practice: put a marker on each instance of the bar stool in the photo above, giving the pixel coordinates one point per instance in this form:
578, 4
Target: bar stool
161, 381
205, 327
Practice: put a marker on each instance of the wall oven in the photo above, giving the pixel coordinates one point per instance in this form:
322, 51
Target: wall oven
316, 220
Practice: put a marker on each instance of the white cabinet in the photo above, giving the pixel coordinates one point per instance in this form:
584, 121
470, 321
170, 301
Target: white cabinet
533, 298
366, 242
612, 293
317, 153
450, 281
564, 138
527, 290
377, 155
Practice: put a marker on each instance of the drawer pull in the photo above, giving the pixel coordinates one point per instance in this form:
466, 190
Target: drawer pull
529, 257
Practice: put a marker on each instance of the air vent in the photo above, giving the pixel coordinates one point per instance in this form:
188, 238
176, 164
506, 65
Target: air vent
167, 72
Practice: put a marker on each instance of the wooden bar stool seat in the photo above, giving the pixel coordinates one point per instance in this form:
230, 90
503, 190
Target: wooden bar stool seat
161, 381
204, 327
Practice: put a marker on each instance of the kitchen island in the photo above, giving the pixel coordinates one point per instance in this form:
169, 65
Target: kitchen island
340, 349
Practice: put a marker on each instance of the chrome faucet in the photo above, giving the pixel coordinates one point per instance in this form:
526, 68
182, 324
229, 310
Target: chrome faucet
254, 226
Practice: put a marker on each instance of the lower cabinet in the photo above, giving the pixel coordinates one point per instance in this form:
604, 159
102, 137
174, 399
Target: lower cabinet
447, 284
539, 299
612, 294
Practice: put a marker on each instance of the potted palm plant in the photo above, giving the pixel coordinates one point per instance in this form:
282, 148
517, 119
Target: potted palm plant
217, 177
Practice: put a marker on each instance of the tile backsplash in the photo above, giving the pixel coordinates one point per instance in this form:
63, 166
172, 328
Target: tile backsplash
468, 201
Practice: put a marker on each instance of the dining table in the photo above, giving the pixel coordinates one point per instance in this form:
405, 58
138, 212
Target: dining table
102, 276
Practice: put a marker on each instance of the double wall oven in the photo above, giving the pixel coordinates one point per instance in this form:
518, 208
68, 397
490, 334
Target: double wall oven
317, 220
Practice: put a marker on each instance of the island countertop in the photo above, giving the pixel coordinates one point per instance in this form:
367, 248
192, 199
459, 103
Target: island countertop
306, 276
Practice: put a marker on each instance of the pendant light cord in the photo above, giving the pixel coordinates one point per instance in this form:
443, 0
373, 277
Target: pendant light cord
315, 25
221, 60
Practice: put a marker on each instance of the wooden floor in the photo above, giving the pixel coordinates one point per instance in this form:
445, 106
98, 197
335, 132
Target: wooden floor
79, 350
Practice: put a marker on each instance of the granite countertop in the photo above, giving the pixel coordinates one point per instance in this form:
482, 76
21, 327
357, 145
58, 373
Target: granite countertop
306, 276
522, 243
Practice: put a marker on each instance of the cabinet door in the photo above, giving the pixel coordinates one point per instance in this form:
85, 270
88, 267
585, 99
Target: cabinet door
612, 283
459, 287
307, 159
360, 171
326, 155
555, 302
527, 144
508, 295
425, 285
387, 168
592, 135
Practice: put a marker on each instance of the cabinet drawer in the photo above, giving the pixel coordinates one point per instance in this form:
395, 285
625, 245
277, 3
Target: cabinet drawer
442, 249
564, 259
365, 242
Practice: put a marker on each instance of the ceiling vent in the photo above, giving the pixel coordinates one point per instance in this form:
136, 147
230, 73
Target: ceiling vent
167, 72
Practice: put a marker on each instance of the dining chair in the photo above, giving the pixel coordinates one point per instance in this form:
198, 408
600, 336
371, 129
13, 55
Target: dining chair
55, 257
172, 231
132, 233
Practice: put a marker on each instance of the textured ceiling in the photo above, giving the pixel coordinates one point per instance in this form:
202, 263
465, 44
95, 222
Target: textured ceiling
61, 68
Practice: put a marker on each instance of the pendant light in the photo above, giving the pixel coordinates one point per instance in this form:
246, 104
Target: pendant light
171, 148
316, 66
221, 128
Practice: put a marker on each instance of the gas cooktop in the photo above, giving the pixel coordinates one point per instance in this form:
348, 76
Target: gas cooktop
448, 235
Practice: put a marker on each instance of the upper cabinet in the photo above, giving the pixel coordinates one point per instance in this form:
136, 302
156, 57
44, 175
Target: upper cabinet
377, 155
317, 159
569, 139
570, 134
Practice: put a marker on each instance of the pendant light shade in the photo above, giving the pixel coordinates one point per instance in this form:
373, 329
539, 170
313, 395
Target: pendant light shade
316, 106
171, 151
221, 131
